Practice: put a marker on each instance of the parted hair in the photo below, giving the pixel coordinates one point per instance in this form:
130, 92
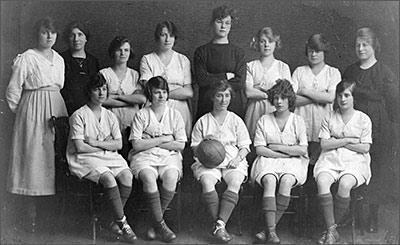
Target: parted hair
219, 86
155, 82
46, 22
78, 25
346, 84
116, 43
270, 34
317, 42
223, 12
284, 89
97, 80
370, 37
172, 29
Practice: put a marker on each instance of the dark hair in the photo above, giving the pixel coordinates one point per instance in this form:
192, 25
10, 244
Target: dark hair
116, 43
219, 86
46, 22
155, 82
284, 89
267, 31
78, 25
346, 84
370, 37
318, 43
223, 12
97, 80
172, 29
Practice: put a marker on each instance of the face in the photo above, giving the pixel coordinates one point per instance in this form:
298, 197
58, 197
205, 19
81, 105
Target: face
159, 96
266, 46
47, 38
121, 55
315, 57
222, 99
166, 41
99, 95
77, 39
345, 99
281, 104
222, 27
364, 50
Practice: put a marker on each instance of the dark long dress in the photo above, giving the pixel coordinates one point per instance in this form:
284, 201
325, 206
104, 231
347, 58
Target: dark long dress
77, 76
211, 63
377, 95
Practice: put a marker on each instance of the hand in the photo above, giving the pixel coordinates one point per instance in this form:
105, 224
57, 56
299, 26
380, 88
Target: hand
168, 138
210, 137
230, 75
146, 136
113, 96
90, 141
302, 91
353, 140
109, 138
234, 163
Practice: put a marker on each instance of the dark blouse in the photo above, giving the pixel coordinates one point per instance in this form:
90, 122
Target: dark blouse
211, 63
77, 76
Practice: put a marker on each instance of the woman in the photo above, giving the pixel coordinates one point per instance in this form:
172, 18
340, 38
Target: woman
92, 154
33, 94
230, 130
219, 59
125, 93
378, 97
173, 66
158, 137
345, 141
281, 145
262, 75
79, 66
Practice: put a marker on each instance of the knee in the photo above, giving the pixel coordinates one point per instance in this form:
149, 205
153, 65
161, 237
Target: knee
125, 178
170, 179
147, 178
107, 180
207, 182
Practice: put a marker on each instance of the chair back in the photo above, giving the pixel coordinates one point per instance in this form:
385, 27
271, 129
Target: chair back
61, 130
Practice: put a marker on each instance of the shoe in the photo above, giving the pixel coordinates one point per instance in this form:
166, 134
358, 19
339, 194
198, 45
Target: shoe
164, 232
220, 232
345, 221
261, 236
32, 225
272, 237
127, 233
114, 228
322, 239
151, 234
372, 225
332, 236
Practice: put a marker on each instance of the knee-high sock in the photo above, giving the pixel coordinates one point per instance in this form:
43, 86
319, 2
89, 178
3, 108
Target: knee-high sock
154, 203
326, 203
269, 210
165, 197
113, 198
340, 206
282, 203
125, 192
229, 200
211, 200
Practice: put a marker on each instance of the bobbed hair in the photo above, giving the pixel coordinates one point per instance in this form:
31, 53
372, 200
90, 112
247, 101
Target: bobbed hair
154, 83
317, 42
116, 43
270, 34
46, 22
97, 80
219, 86
346, 84
370, 37
284, 89
222, 12
78, 25
171, 27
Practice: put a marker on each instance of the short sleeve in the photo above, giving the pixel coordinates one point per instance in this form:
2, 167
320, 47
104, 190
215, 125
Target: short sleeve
179, 128
366, 133
18, 77
325, 132
197, 133
334, 78
259, 138
249, 76
301, 131
114, 126
187, 74
137, 126
243, 137
296, 79
145, 69
77, 128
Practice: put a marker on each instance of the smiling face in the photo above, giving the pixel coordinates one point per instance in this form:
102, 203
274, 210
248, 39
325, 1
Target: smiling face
364, 49
46, 38
99, 95
77, 39
222, 27
166, 40
221, 100
315, 57
281, 104
266, 46
121, 55
345, 99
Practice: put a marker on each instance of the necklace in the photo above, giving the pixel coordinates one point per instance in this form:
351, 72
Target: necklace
79, 61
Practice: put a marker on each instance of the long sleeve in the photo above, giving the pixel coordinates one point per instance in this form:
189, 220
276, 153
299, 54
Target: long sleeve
203, 77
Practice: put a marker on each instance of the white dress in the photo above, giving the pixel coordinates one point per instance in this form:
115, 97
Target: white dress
127, 86
325, 81
232, 134
268, 132
177, 73
33, 94
342, 159
83, 122
257, 76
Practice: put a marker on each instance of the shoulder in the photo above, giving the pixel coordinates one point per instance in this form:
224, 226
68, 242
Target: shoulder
80, 113
181, 57
332, 70
57, 55
133, 71
385, 70
301, 69
363, 116
282, 64
105, 71
66, 54
91, 57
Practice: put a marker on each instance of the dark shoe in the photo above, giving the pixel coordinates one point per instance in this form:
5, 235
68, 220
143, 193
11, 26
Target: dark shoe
272, 237
220, 232
114, 228
345, 221
164, 232
372, 225
332, 236
322, 239
261, 236
151, 234
127, 233
32, 225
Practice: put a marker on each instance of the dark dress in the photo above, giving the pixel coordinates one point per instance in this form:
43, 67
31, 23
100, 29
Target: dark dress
211, 63
77, 76
377, 95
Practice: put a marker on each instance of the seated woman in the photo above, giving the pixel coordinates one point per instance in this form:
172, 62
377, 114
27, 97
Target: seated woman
345, 141
230, 130
158, 137
92, 153
281, 145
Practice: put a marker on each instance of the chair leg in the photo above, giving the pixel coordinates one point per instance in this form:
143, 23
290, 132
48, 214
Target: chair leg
93, 218
179, 206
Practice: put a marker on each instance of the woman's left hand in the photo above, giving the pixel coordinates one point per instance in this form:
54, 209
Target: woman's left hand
234, 163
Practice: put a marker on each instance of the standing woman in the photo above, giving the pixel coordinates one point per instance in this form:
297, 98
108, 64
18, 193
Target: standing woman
173, 66
377, 96
33, 94
79, 66
262, 75
219, 59
125, 95
230, 130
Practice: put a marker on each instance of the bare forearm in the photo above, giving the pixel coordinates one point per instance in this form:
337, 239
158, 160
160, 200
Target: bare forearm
301, 100
173, 145
360, 148
266, 152
132, 99
181, 93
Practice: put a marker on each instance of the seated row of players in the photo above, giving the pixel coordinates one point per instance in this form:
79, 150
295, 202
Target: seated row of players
158, 137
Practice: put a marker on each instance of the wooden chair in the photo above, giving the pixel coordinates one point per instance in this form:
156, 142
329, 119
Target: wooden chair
67, 184
357, 211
